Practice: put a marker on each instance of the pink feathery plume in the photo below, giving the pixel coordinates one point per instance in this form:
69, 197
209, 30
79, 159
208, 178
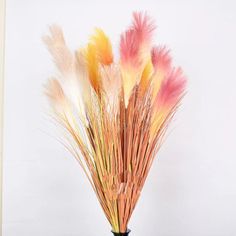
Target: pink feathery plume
161, 58
129, 49
172, 89
143, 26
136, 39
135, 45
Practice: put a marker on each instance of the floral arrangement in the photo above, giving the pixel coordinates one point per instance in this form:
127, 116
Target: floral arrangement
115, 111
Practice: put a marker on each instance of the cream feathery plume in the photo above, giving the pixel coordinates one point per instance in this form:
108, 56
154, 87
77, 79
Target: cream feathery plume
111, 84
67, 64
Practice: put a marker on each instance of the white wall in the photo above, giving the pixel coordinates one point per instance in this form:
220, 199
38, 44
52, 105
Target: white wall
191, 189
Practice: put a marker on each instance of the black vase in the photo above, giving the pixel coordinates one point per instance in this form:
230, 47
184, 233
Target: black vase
122, 234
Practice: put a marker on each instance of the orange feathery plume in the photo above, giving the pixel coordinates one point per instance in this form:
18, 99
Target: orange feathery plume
116, 114
98, 50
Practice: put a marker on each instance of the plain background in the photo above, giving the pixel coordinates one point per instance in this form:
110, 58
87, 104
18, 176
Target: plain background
191, 189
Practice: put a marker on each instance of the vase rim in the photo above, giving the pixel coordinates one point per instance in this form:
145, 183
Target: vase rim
127, 231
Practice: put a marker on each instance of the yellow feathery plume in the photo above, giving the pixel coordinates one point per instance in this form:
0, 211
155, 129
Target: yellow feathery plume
90, 53
103, 47
146, 76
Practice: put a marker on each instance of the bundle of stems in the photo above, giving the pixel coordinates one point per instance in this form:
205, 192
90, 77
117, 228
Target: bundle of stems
115, 112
